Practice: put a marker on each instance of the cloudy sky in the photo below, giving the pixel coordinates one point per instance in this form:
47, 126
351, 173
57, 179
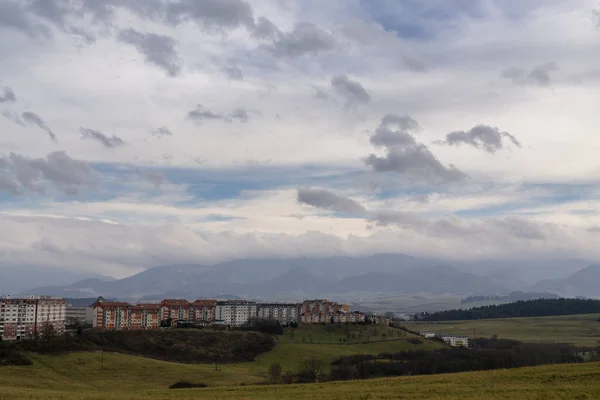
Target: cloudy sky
136, 133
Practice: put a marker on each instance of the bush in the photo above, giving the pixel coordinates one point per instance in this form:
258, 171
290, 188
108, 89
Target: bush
186, 385
184, 346
9, 355
269, 326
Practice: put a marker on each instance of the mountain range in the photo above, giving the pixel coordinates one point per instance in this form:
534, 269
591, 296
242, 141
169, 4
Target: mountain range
584, 282
291, 279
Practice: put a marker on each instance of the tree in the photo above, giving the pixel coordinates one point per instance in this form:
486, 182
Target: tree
275, 372
311, 370
48, 331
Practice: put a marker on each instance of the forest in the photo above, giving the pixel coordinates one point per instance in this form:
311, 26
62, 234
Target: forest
529, 308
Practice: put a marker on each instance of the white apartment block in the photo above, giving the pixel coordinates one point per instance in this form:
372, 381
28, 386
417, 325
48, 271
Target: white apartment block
235, 312
26, 318
284, 313
454, 340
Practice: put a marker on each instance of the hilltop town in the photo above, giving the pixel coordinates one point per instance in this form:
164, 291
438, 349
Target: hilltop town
22, 318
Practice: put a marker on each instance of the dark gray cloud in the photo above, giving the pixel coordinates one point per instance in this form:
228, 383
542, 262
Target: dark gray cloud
321, 93
7, 95
405, 156
57, 13
482, 137
58, 171
384, 136
212, 14
36, 18
537, 76
108, 142
305, 38
352, 91
398, 218
13, 117
103, 12
162, 132
201, 113
15, 15
159, 50
327, 200
34, 119
234, 73
240, 114
265, 29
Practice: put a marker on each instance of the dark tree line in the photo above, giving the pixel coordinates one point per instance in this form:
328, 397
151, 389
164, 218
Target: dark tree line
492, 354
529, 308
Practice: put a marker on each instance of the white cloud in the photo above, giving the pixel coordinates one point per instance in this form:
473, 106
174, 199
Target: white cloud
254, 68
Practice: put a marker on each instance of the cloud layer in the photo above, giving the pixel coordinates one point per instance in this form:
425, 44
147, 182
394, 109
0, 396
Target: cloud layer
204, 130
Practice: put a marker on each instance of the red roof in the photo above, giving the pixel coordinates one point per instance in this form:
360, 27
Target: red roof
146, 306
175, 303
204, 303
111, 304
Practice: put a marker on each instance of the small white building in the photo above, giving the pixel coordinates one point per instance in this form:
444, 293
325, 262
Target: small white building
235, 312
454, 340
285, 313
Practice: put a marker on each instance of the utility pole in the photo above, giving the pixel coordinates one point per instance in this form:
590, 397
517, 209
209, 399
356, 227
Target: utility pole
474, 338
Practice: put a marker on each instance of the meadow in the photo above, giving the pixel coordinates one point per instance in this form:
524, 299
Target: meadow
125, 378
581, 330
69, 375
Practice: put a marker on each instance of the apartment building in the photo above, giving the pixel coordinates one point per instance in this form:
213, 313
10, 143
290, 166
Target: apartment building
83, 316
111, 315
144, 316
175, 310
323, 311
203, 311
25, 318
235, 312
285, 313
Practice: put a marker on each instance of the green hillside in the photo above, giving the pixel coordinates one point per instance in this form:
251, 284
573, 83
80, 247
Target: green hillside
95, 371
77, 377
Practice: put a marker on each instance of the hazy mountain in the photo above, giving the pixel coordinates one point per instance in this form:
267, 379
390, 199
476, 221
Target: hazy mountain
18, 279
582, 283
295, 278
435, 280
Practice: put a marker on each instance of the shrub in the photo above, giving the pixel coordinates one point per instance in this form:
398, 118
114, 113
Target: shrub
186, 385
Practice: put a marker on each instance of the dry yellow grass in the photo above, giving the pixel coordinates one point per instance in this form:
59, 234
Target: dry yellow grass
580, 381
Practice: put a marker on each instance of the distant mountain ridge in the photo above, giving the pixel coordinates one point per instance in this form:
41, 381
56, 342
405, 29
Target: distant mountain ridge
332, 277
301, 278
582, 283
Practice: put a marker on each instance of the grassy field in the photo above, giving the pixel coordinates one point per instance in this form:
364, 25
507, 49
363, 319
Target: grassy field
577, 329
66, 376
122, 380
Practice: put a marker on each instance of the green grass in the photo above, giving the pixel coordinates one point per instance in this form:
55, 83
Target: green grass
579, 381
78, 372
577, 329
335, 334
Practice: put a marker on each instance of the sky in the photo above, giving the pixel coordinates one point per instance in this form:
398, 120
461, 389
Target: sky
136, 133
